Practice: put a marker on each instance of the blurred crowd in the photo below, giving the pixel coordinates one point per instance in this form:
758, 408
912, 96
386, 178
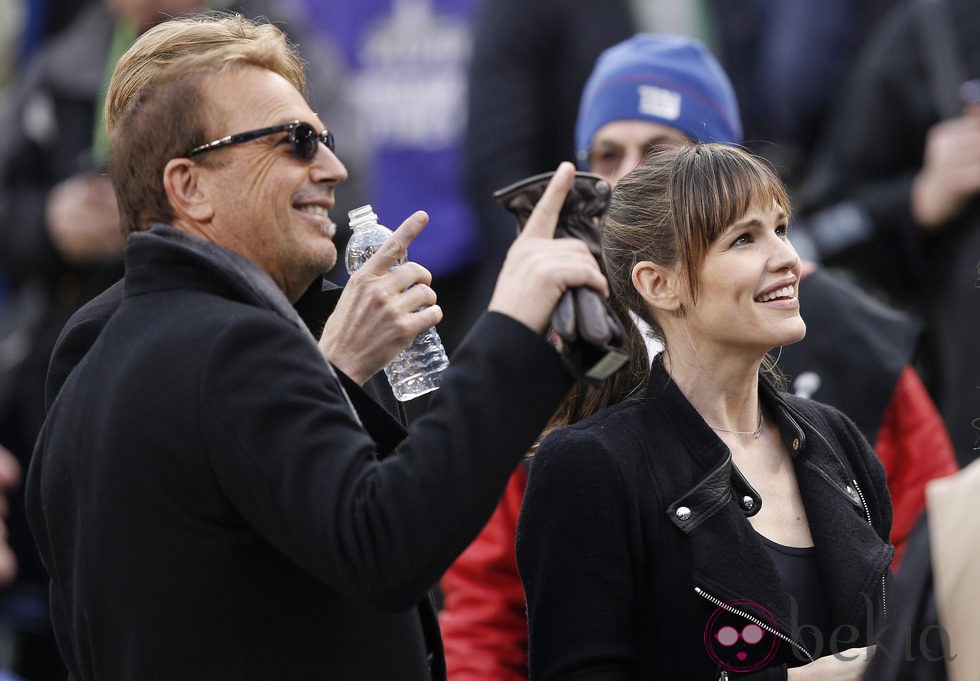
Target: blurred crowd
868, 109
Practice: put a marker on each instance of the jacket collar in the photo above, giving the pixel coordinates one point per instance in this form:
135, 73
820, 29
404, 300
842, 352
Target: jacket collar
729, 560
722, 481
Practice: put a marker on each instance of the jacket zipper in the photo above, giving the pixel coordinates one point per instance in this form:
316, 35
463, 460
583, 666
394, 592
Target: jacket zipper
867, 514
754, 620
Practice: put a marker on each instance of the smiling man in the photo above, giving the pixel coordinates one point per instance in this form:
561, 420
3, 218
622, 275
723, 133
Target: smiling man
272, 213
213, 492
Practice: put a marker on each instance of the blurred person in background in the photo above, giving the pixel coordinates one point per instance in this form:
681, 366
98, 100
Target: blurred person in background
11, 23
789, 61
895, 196
25, 25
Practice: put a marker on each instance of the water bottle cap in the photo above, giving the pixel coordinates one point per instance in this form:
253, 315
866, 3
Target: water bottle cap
363, 215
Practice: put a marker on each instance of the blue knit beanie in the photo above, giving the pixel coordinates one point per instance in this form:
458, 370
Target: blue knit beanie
669, 79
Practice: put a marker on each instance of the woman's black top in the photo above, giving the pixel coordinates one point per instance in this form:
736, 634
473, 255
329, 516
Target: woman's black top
800, 574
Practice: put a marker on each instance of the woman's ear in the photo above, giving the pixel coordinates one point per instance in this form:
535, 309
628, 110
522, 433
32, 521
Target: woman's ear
182, 181
657, 285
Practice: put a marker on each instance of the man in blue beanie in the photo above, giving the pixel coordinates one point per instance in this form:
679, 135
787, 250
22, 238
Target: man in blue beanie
662, 89
655, 89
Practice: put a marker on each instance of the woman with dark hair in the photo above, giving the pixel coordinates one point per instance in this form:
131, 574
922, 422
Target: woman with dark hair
711, 524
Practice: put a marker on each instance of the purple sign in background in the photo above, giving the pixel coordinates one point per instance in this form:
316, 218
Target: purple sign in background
407, 66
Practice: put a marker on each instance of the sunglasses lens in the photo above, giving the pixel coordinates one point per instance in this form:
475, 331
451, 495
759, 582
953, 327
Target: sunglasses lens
305, 141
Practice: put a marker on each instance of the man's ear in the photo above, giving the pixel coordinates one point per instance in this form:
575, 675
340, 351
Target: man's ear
659, 286
187, 193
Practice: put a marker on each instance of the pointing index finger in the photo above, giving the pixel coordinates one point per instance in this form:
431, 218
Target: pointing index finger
395, 247
544, 217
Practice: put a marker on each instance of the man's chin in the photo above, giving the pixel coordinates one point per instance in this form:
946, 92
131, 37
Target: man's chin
312, 275
330, 262
323, 256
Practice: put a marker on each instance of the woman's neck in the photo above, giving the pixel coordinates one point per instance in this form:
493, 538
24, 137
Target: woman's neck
724, 390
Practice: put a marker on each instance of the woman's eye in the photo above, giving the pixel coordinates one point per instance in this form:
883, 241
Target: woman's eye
782, 230
742, 239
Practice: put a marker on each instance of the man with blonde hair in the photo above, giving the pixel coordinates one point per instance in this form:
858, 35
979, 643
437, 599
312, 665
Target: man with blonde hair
60, 239
213, 492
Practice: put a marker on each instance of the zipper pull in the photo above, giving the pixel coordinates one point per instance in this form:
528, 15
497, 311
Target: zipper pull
723, 676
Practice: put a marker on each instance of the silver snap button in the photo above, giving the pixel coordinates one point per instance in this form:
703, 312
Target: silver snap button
748, 502
683, 513
796, 444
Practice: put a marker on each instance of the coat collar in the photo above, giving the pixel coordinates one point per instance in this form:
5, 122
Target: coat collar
161, 244
162, 257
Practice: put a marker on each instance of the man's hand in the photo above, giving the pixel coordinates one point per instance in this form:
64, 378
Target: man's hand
539, 268
378, 313
950, 174
83, 219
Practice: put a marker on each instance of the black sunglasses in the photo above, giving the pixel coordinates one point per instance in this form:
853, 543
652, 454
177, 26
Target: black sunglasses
303, 139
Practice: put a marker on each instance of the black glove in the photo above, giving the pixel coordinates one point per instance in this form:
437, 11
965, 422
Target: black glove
591, 338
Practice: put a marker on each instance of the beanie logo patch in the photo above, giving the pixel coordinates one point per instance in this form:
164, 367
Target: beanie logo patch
658, 102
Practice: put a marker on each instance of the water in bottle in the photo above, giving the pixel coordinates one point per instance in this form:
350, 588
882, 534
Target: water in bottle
417, 369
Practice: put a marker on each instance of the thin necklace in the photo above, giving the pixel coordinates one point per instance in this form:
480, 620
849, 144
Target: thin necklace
754, 433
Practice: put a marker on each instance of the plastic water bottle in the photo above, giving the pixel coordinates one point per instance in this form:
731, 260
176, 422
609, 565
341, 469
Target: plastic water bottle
417, 369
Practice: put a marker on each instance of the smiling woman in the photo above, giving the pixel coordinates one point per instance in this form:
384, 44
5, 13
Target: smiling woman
672, 208
718, 525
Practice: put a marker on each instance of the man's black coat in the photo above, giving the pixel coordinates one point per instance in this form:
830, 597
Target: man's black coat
210, 506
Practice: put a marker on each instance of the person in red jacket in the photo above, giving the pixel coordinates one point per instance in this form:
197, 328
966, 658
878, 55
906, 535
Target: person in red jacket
665, 89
